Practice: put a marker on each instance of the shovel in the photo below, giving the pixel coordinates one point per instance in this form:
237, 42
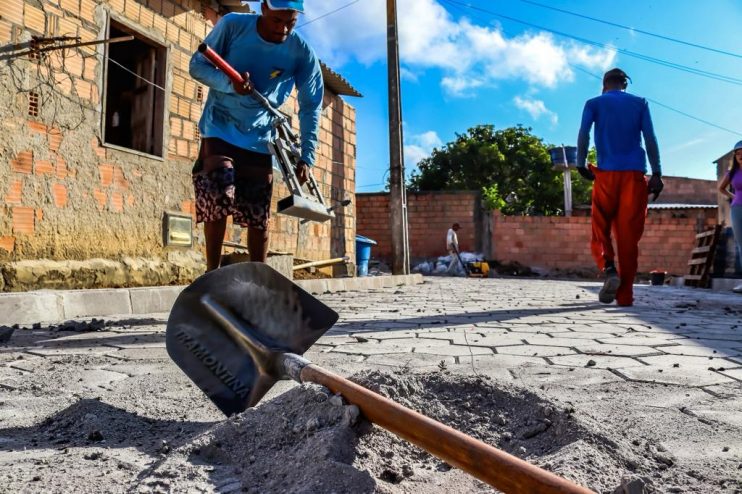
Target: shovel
236, 330
461, 261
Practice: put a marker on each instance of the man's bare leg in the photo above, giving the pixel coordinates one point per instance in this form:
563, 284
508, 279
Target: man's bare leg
257, 243
214, 232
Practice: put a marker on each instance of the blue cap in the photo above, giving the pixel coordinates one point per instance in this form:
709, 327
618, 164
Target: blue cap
297, 5
738, 146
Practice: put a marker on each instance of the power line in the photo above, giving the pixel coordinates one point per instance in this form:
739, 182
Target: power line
147, 81
684, 68
667, 106
614, 24
685, 114
328, 13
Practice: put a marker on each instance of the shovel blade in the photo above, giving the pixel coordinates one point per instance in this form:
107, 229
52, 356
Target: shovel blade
271, 308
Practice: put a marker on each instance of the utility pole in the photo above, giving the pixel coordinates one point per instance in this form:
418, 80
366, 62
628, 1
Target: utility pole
398, 196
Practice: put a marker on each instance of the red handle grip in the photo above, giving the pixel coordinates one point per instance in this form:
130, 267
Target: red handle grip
221, 64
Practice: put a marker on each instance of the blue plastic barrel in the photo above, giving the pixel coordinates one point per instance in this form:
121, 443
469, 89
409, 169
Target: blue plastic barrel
363, 253
557, 156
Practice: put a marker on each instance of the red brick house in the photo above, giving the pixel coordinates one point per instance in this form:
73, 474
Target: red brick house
97, 144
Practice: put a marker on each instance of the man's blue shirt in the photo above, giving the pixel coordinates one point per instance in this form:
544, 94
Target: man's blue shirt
274, 68
620, 120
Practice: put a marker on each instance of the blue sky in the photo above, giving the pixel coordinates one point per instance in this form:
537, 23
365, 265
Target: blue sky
462, 67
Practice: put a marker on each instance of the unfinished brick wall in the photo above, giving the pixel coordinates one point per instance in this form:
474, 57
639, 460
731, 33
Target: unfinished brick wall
685, 190
430, 215
563, 243
64, 194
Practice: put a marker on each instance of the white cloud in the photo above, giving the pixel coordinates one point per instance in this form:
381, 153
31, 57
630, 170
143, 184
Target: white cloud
462, 87
420, 146
536, 108
685, 145
408, 75
471, 55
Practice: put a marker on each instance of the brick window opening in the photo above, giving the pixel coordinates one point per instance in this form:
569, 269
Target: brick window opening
199, 94
33, 104
135, 107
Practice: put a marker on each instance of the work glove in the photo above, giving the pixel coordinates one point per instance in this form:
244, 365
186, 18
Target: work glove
243, 88
655, 186
302, 172
586, 173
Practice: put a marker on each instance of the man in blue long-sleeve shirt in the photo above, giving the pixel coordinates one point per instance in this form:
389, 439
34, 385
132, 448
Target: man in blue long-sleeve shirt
620, 189
234, 173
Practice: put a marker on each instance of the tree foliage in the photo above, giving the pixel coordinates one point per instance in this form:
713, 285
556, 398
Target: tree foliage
511, 167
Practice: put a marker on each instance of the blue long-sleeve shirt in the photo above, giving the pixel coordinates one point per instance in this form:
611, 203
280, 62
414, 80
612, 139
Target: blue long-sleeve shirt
274, 68
620, 120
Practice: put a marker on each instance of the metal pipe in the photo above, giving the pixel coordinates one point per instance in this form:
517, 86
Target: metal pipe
73, 45
318, 264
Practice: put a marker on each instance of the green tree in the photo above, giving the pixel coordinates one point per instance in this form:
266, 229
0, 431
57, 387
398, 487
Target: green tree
511, 166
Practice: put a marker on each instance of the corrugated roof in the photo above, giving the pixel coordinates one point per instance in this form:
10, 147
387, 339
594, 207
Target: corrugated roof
337, 83
681, 206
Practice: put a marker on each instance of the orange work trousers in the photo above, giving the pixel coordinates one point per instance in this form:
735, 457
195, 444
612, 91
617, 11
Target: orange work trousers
620, 207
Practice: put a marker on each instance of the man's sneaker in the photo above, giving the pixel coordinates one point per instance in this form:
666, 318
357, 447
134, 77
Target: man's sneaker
610, 286
737, 289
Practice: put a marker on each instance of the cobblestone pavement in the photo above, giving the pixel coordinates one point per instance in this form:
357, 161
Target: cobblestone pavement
675, 358
506, 327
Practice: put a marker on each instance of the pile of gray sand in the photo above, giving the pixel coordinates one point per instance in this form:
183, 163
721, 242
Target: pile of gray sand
309, 441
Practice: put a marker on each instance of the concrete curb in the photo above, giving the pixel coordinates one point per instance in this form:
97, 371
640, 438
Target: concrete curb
54, 306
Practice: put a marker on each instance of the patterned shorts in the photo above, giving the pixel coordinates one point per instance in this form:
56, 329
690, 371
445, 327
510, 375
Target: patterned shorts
232, 181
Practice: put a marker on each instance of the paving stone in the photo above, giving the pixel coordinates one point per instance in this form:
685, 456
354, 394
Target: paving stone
536, 329
580, 335
138, 354
717, 345
137, 369
476, 339
453, 350
685, 376
733, 373
652, 341
614, 350
688, 361
699, 350
724, 337
411, 360
101, 377
371, 348
562, 376
550, 341
385, 335
12, 379
599, 361
72, 350
30, 363
535, 350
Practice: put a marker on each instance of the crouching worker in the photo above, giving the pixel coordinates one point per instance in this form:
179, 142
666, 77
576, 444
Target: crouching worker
234, 172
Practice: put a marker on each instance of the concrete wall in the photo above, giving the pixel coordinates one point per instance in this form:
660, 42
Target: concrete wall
65, 195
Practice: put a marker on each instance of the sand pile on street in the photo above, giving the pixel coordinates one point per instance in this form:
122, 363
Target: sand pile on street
309, 441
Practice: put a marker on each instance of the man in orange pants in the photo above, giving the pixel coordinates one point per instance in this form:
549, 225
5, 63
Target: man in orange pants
620, 189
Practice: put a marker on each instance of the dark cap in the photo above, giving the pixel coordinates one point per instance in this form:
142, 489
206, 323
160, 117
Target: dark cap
616, 75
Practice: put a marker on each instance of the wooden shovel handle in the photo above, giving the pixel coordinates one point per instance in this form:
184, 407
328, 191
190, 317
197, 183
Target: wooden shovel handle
491, 465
